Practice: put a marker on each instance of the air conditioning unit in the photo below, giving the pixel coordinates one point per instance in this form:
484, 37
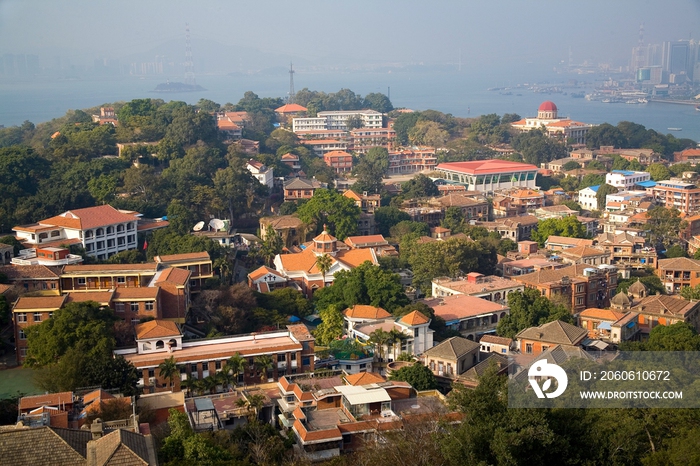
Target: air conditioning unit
151, 380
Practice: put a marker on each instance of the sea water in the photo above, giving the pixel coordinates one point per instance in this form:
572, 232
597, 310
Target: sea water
461, 93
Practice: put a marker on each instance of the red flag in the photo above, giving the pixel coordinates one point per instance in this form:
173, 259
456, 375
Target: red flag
145, 245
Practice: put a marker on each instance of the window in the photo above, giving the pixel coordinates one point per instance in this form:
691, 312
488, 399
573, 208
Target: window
217, 365
110, 230
294, 356
119, 307
37, 317
22, 336
120, 228
416, 332
193, 368
89, 247
528, 348
281, 358
131, 238
545, 347
110, 243
363, 366
121, 279
50, 315
23, 352
100, 232
135, 321
130, 226
134, 306
81, 281
348, 367
151, 372
149, 305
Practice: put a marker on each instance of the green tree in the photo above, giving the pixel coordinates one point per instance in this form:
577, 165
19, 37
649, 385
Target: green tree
371, 169
418, 376
324, 263
454, 219
605, 135
236, 365
602, 193
428, 133
168, 369
271, 245
530, 309
675, 250
403, 124
328, 207
664, 225
354, 122
680, 336
569, 227
536, 147
238, 190
378, 102
659, 172
571, 165
331, 326
387, 217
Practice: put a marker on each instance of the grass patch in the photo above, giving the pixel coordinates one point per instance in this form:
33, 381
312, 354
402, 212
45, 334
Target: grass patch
18, 379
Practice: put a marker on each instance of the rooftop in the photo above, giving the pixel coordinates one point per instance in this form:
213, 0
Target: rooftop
457, 307
480, 167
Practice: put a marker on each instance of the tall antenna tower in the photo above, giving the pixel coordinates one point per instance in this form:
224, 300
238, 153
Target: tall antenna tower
189, 65
290, 99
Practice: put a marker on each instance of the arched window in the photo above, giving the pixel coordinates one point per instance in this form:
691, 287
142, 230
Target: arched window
503, 314
110, 230
120, 228
172, 343
100, 232
88, 234
160, 344
146, 346
494, 318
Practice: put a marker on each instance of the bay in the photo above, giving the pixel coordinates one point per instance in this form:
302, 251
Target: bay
463, 94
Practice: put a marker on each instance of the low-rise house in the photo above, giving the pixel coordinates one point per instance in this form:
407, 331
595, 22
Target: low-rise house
363, 139
536, 340
587, 197
691, 156
496, 344
262, 173
469, 315
377, 242
665, 310
368, 203
609, 325
517, 202
474, 206
677, 273
299, 188
302, 270
513, 228
102, 230
680, 194
340, 161
490, 287
643, 156
585, 255
291, 350
554, 211
264, 279
289, 227
525, 266
199, 265
292, 161
451, 358
51, 257
32, 278
590, 224
581, 285
413, 160
561, 243
625, 179
627, 250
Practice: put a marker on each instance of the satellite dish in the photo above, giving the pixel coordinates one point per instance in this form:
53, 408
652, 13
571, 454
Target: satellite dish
198, 226
216, 224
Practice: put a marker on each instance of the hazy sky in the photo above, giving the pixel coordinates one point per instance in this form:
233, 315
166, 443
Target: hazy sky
487, 32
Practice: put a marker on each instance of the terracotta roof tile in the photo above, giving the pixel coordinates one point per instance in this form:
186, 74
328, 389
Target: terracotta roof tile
460, 306
261, 272
362, 311
414, 318
364, 378
602, 314
174, 276
51, 399
144, 292
102, 297
496, 340
40, 302
156, 329
22, 272
554, 332
189, 257
90, 217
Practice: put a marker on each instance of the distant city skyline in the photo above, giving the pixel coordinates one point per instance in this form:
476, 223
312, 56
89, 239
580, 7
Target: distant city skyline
254, 35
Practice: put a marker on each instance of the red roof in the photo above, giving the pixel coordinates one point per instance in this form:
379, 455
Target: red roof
90, 217
482, 167
548, 106
290, 108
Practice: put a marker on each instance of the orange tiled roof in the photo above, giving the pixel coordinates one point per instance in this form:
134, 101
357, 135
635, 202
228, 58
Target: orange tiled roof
364, 378
363, 311
414, 318
156, 329
114, 268
51, 399
89, 217
102, 297
356, 257
25, 272
261, 272
204, 256
174, 276
325, 237
603, 314
290, 108
39, 302
289, 156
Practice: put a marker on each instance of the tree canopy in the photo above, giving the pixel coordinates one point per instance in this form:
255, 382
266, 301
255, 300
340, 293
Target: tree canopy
328, 207
419, 376
530, 309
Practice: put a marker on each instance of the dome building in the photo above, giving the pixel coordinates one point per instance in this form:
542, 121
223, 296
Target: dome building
555, 126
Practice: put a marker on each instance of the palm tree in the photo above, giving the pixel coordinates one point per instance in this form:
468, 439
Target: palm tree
263, 364
190, 384
210, 383
224, 267
225, 378
396, 337
324, 263
236, 366
380, 338
168, 369
256, 402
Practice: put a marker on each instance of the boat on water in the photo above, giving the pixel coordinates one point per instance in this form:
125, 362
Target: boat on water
697, 108
675, 129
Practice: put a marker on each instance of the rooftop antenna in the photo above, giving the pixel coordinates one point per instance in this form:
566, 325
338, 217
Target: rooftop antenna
291, 84
189, 65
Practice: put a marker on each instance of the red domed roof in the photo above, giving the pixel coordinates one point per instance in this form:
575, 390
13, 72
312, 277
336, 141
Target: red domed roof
548, 106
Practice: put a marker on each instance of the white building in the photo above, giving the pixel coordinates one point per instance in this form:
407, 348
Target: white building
337, 120
626, 179
102, 230
587, 197
554, 125
261, 172
489, 175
